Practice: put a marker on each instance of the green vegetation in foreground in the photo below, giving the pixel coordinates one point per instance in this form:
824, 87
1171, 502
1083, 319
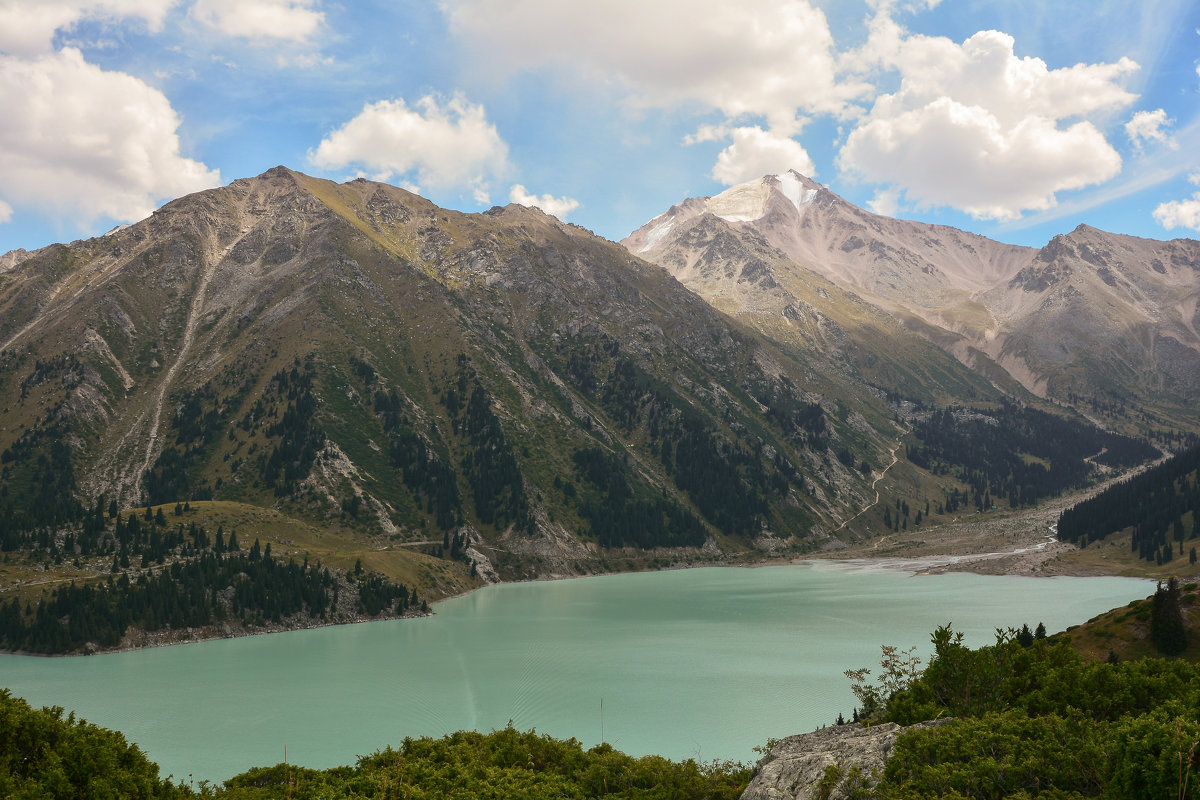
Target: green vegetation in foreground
44, 755
1031, 718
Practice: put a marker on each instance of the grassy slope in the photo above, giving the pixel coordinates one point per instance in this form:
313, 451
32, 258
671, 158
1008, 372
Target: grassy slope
1125, 631
336, 545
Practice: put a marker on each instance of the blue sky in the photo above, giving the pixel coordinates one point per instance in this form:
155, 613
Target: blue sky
1017, 120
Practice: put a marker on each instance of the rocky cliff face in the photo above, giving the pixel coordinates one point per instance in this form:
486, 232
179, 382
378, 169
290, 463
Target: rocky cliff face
826, 763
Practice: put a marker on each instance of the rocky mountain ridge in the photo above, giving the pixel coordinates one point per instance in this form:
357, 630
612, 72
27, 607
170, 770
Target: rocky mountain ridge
1096, 317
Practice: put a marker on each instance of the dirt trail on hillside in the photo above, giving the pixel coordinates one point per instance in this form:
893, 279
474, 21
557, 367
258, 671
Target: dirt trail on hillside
875, 483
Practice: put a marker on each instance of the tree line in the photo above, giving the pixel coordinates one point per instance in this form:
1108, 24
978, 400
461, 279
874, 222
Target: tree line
618, 518
1159, 506
1018, 454
728, 478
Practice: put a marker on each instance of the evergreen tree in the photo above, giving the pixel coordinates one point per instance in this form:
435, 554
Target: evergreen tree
1166, 619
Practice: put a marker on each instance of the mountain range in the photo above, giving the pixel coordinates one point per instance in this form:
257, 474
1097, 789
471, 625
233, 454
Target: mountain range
1102, 322
518, 397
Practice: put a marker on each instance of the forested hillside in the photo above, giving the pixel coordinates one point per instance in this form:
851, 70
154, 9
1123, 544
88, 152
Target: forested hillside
171, 576
1159, 509
1018, 455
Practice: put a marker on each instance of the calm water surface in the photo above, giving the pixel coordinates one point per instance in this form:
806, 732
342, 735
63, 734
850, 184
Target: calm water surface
701, 663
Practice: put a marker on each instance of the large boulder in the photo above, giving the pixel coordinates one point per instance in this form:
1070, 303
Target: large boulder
827, 762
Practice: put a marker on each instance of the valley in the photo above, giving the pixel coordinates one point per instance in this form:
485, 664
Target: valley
288, 405
382, 393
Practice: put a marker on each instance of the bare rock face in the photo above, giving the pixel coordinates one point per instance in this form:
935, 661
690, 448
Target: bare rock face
798, 767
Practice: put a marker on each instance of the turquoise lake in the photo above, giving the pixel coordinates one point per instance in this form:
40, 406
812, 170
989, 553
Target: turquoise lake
702, 663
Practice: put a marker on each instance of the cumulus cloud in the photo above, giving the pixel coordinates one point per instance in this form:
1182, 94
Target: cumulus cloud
1181, 213
28, 28
756, 152
556, 206
977, 128
6, 212
85, 143
886, 202
1150, 126
294, 20
758, 57
439, 144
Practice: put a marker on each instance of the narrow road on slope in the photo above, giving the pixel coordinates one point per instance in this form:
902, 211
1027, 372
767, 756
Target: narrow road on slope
875, 483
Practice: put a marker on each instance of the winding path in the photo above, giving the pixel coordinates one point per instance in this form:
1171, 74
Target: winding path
875, 484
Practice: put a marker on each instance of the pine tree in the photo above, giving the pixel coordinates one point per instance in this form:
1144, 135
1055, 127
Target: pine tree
1166, 619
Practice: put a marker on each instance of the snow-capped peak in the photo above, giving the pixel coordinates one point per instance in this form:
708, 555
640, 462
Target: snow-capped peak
748, 201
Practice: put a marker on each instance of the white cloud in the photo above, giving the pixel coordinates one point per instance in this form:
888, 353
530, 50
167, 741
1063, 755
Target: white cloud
1181, 213
442, 145
974, 127
756, 152
6, 212
294, 20
27, 28
1149, 126
888, 6
708, 133
886, 202
83, 143
556, 206
759, 57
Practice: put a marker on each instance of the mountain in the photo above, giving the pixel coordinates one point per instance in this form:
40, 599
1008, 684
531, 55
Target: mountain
503, 390
1103, 322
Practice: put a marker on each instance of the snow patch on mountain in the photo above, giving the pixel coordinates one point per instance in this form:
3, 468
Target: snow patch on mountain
745, 202
791, 185
657, 233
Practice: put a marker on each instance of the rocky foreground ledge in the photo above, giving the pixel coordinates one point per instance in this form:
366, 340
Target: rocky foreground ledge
798, 767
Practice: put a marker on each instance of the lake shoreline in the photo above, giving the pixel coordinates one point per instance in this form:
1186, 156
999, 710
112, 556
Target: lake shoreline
765, 648
1034, 556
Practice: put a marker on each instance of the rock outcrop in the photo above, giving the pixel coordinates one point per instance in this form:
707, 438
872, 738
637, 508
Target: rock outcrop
798, 767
